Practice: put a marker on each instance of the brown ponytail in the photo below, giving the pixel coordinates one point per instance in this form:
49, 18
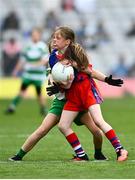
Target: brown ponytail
76, 53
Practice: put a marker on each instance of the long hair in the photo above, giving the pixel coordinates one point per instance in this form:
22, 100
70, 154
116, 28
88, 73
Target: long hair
50, 46
75, 52
66, 33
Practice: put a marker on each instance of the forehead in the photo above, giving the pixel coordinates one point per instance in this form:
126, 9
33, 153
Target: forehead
58, 33
36, 32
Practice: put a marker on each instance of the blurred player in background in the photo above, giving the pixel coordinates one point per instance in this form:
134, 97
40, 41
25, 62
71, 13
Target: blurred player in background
33, 63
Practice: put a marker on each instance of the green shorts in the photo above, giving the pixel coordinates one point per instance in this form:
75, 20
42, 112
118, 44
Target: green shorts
33, 82
57, 107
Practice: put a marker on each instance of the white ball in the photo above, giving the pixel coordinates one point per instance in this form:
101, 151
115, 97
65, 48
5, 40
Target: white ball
62, 72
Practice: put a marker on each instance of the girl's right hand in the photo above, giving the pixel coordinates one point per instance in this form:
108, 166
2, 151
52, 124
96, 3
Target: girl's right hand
53, 89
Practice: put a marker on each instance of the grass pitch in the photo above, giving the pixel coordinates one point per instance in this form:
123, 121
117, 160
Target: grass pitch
50, 157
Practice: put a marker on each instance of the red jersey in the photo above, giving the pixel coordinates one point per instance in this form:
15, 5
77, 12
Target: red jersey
82, 94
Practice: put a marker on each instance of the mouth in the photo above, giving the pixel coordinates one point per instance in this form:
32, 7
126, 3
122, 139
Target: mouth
54, 45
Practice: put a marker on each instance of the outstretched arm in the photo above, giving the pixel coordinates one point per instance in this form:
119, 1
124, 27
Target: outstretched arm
98, 75
42, 62
109, 80
102, 77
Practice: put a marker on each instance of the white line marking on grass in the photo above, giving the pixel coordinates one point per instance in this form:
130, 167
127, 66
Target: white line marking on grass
58, 161
17, 136
131, 160
4, 162
98, 161
32, 162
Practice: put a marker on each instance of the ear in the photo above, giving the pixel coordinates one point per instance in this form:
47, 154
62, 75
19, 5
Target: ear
68, 42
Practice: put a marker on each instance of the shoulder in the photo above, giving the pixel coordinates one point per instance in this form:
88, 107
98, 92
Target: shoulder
27, 46
42, 45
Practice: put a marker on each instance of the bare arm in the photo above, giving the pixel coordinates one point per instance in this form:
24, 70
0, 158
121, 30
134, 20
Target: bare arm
102, 77
18, 67
42, 62
50, 79
98, 75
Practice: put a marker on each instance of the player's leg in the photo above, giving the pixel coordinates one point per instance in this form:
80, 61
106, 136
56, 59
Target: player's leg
96, 114
50, 120
64, 126
14, 103
48, 123
87, 120
41, 99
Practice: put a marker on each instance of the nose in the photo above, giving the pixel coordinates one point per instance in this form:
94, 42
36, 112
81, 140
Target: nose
54, 41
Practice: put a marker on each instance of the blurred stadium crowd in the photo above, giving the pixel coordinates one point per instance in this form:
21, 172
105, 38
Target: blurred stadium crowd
106, 28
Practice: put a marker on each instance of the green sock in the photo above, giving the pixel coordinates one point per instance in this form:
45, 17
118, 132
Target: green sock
21, 153
16, 100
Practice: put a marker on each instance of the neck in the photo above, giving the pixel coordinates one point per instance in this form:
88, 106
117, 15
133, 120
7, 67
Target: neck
62, 51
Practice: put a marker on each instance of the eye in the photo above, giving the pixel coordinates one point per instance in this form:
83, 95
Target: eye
58, 37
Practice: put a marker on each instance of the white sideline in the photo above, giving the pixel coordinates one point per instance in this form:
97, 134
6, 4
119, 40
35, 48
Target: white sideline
17, 136
59, 161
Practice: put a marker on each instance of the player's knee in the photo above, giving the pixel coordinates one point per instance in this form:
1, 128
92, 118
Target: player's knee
97, 133
62, 127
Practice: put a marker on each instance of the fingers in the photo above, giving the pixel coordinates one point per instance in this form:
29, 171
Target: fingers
55, 84
110, 77
114, 82
119, 81
49, 93
51, 90
48, 88
119, 85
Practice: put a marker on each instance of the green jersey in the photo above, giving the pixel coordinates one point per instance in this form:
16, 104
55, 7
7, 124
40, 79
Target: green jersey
34, 53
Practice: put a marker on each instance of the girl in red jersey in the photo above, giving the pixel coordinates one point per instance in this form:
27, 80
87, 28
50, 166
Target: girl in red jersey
83, 95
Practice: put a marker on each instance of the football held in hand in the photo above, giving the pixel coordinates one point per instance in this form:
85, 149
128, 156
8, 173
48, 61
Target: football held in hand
62, 73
